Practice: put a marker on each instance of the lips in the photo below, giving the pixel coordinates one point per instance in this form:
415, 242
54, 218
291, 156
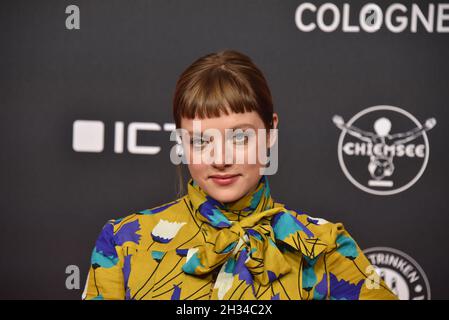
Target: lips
224, 176
224, 179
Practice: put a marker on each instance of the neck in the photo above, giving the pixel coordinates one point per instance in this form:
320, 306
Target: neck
252, 190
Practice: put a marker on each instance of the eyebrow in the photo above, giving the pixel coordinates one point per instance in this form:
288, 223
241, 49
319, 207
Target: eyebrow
239, 126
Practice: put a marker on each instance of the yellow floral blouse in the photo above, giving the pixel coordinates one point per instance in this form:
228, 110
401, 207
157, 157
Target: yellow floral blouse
197, 248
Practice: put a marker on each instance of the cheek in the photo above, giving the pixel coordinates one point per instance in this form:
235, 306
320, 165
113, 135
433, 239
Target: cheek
197, 170
252, 172
255, 151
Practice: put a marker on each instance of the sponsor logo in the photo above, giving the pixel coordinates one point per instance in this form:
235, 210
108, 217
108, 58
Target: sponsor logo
383, 150
401, 273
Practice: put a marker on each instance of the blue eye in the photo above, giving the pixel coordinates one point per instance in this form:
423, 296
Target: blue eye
198, 142
240, 138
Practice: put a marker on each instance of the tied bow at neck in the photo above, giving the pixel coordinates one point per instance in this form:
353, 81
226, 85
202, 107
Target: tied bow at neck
242, 235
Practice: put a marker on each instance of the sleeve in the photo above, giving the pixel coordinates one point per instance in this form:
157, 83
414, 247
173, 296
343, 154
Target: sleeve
105, 279
351, 275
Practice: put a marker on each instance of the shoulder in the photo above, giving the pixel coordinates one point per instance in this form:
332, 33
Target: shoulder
133, 226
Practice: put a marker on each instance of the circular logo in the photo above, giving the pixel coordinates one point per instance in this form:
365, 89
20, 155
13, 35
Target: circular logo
383, 150
401, 273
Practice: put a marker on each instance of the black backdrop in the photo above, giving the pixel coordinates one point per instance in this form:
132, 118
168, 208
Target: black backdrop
122, 65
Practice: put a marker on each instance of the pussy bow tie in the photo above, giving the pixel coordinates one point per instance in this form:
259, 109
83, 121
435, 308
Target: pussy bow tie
242, 235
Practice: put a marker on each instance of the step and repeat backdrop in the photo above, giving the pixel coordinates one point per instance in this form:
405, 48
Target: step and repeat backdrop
361, 89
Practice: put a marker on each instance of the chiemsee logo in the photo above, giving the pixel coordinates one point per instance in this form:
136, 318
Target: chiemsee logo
378, 161
402, 274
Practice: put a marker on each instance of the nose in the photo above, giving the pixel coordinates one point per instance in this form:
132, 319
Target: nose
222, 157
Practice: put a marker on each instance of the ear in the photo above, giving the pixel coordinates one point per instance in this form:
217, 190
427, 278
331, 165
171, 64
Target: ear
272, 136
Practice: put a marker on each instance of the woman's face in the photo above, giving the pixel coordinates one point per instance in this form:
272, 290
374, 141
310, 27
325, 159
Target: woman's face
225, 177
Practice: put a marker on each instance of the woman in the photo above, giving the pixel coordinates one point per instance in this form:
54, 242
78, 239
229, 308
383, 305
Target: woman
227, 238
